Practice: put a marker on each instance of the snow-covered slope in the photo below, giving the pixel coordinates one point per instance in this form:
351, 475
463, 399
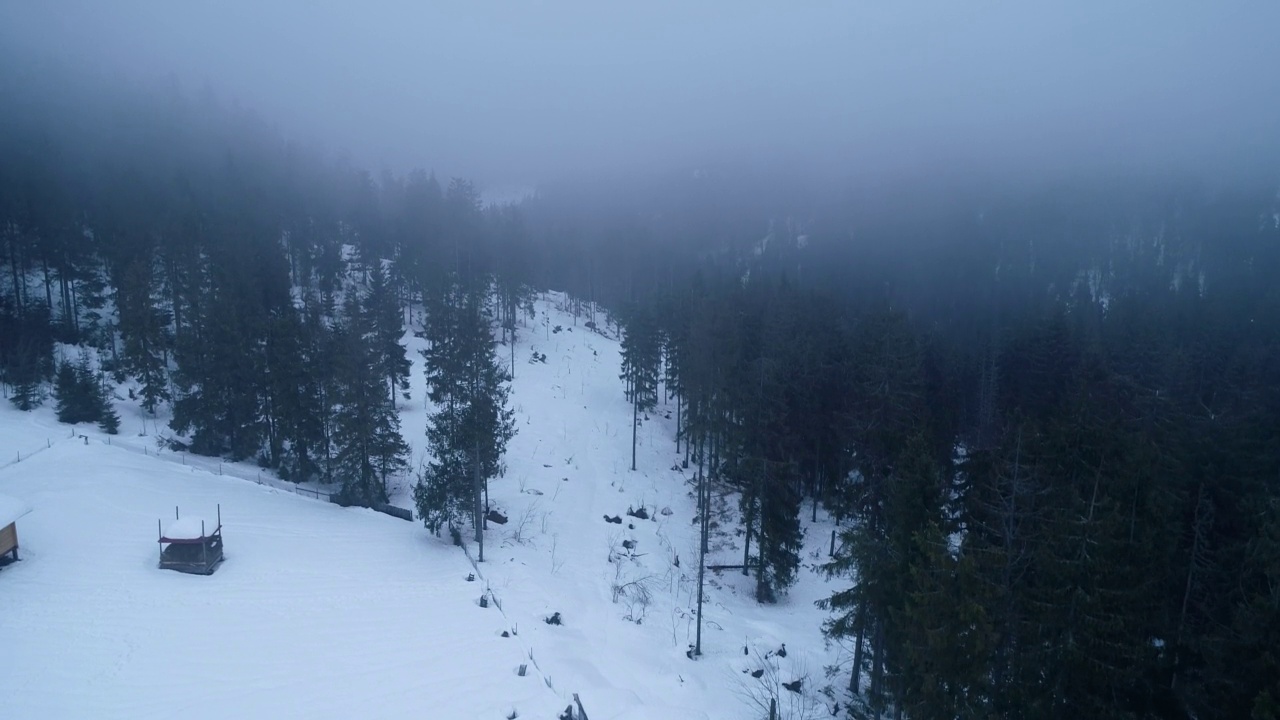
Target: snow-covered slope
321, 611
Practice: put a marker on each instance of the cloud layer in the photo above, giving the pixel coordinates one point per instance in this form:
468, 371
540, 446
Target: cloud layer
524, 92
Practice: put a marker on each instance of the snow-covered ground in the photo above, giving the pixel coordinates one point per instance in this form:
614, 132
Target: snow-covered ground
321, 611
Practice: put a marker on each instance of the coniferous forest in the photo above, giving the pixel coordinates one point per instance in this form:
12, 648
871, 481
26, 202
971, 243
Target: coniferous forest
1046, 415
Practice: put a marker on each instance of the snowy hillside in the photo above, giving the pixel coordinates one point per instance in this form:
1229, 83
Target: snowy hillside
321, 611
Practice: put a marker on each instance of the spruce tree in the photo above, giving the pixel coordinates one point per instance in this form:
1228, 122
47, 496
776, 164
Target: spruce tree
301, 371
82, 396
641, 364
472, 424
30, 358
386, 322
144, 328
368, 446
108, 418
71, 405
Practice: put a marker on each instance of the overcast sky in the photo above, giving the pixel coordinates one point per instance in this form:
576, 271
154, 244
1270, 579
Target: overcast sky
521, 92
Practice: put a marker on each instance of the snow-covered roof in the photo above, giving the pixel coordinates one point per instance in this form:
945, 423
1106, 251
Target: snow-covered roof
187, 528
11, 508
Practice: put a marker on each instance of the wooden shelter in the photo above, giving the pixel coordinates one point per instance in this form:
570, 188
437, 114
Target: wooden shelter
191, 545
11, 508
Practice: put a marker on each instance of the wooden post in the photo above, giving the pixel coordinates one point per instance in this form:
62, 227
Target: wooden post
832, 553
773, 709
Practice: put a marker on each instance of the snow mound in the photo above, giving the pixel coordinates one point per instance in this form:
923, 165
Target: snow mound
11, 508
188, 528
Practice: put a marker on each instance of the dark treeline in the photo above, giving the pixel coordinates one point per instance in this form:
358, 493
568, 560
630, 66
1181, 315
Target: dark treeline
1045, 419
1047, 427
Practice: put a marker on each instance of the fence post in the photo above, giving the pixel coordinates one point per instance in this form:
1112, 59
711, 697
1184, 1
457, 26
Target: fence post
833, 544
773, 709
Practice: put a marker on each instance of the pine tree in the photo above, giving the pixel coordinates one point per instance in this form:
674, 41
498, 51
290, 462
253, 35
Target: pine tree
223, 375
145, 331
71, 404
641, 364
883, 418
386, 323
108, 418
29, 359
368, 445
675, 335
470, 428
780, 537
300, 372
82, 396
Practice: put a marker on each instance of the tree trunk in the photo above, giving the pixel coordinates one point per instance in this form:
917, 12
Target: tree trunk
855, 677
48, 284
877, 670
64, 296
702, 554
817, 479
678, 404
479, 517
74, 300
635, 422
761, 538
1203, 519
12, 245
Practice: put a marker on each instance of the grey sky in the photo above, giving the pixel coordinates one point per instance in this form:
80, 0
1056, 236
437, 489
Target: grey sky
518, 92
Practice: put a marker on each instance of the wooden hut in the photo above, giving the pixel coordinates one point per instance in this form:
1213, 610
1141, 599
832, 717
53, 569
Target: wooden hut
11, 508
190, 545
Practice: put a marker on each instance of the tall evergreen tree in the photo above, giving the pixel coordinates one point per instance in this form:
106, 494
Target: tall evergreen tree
386, 323
75, 399
641, 364
470, 428
368, 445
144, 328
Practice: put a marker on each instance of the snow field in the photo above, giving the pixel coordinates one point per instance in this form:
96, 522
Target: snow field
321, 611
